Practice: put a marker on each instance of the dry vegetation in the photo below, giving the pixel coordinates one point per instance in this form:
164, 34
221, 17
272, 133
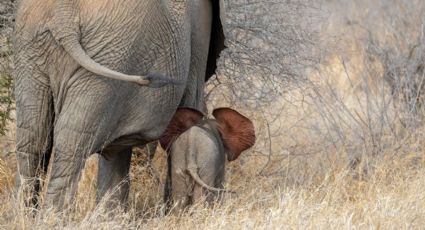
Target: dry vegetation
341, 147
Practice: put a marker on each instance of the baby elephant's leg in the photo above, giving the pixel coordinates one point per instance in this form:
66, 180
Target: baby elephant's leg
181, 189
201, 194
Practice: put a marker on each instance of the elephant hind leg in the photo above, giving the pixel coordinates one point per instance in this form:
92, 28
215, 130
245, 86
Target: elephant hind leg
35, 114
181, 188
43, 168
70, 150
113, 178
212, 178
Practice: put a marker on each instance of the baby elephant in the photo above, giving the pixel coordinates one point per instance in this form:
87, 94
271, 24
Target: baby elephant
197, 150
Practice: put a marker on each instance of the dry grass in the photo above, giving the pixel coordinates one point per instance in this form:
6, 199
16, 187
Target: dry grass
389, 196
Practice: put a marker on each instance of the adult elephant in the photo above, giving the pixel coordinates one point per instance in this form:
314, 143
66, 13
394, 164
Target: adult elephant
80, 70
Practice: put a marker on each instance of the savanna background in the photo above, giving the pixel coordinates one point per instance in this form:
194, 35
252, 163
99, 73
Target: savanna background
336, 91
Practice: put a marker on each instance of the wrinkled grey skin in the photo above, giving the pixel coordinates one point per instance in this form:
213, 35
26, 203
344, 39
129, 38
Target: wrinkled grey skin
79, 67
196, 166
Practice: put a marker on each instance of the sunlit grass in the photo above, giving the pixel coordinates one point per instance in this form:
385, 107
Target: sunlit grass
389, 196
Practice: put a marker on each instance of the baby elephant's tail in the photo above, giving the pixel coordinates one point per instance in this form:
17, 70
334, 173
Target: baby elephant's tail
199, 181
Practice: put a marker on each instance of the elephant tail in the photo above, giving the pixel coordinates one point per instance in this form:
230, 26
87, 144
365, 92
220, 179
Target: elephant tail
65, 28
76, 51
200, 182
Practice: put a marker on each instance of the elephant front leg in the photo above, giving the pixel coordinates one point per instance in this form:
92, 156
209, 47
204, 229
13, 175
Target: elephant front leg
113, 178
34, 119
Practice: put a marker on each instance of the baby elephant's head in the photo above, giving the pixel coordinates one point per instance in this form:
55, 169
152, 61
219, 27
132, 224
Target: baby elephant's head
236, 131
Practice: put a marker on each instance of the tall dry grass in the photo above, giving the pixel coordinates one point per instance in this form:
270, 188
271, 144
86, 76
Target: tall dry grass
324, 195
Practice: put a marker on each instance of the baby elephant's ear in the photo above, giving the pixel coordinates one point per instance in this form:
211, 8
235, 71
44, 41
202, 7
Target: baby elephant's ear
236, 130
183, 119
